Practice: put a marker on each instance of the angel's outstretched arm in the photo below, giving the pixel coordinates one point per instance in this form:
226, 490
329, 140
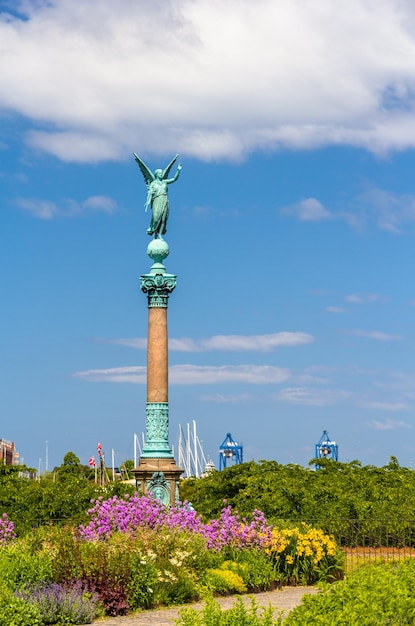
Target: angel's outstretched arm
176, 176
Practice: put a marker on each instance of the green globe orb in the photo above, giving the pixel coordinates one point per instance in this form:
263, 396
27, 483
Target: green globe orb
158, 250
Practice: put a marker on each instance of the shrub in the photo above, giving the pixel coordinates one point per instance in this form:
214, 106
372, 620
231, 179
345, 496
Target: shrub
304, 554
178, 559
373, 595
223, 580
19, 566
142, 581
237, 615
18, 612
59, 604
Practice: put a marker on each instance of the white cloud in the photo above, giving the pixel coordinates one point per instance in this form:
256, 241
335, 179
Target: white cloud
311, 397
131, 374
363, 298
260, 343
193, 374
389, 425
42, 209
207, 78
387, 406
45, 210
227, 343
374, 208
386, 210
335, 309
99, 203
308, 210
374, 334
222, 398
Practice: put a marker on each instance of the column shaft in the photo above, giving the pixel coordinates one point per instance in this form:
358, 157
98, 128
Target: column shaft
157, 355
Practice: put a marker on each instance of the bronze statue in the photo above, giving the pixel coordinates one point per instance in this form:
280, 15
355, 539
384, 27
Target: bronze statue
157, 197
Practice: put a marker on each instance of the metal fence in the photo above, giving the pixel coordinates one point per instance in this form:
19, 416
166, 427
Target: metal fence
372, 540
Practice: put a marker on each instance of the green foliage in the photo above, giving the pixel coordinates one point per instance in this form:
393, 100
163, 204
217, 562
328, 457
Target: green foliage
17, 470
304, 555
59, 604
71, 460
19, 565
179, 560
256, 568
374, 595
141, 583
18, 612
238, 615
117, 570
30, 503
225, 579
71, 468
361, 505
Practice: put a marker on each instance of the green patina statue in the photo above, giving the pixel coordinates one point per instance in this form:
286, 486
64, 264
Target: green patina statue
157, 197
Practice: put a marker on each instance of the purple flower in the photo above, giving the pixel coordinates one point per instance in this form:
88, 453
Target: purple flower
7, 533
132, 512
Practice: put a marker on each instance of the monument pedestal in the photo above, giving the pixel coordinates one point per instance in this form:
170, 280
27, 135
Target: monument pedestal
159, 477
157, 472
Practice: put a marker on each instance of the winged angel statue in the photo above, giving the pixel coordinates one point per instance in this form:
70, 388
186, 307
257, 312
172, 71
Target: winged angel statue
157, 198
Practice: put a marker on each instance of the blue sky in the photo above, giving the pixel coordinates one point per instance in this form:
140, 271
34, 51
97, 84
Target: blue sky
291, 231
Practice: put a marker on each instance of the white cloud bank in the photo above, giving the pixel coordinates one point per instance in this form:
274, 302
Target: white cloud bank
389, 425
374, 334
193, 374
312, 397
211, 79
308, 210
45, 210
226, 343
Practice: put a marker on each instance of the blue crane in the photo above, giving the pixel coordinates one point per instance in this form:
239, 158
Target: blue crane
230, 450
326, 449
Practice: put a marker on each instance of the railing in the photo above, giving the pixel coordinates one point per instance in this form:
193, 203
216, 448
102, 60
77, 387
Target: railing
368, 540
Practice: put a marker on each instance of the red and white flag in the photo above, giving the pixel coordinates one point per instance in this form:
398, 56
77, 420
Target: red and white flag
92, 462
99, 448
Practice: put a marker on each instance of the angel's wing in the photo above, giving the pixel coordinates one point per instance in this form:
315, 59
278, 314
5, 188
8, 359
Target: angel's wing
168, 168
146, 172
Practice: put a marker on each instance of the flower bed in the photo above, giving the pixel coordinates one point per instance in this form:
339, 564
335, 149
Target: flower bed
134, 553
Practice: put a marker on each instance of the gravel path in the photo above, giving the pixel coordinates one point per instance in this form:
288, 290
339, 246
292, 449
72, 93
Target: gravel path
282, 599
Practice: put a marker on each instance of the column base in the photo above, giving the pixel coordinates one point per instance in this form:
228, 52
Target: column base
160, 477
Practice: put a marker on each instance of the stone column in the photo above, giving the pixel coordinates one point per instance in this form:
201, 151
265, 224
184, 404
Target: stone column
157, 472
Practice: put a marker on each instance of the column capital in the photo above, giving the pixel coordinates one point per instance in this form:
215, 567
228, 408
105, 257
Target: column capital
158, 287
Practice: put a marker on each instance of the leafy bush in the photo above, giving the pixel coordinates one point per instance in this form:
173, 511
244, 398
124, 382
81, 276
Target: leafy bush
19, 565
256, 568
361, 505
142, 581
373, 595
304, 554
223, 580
32, 503
237, 615
59, 604
18, 612
178, 560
